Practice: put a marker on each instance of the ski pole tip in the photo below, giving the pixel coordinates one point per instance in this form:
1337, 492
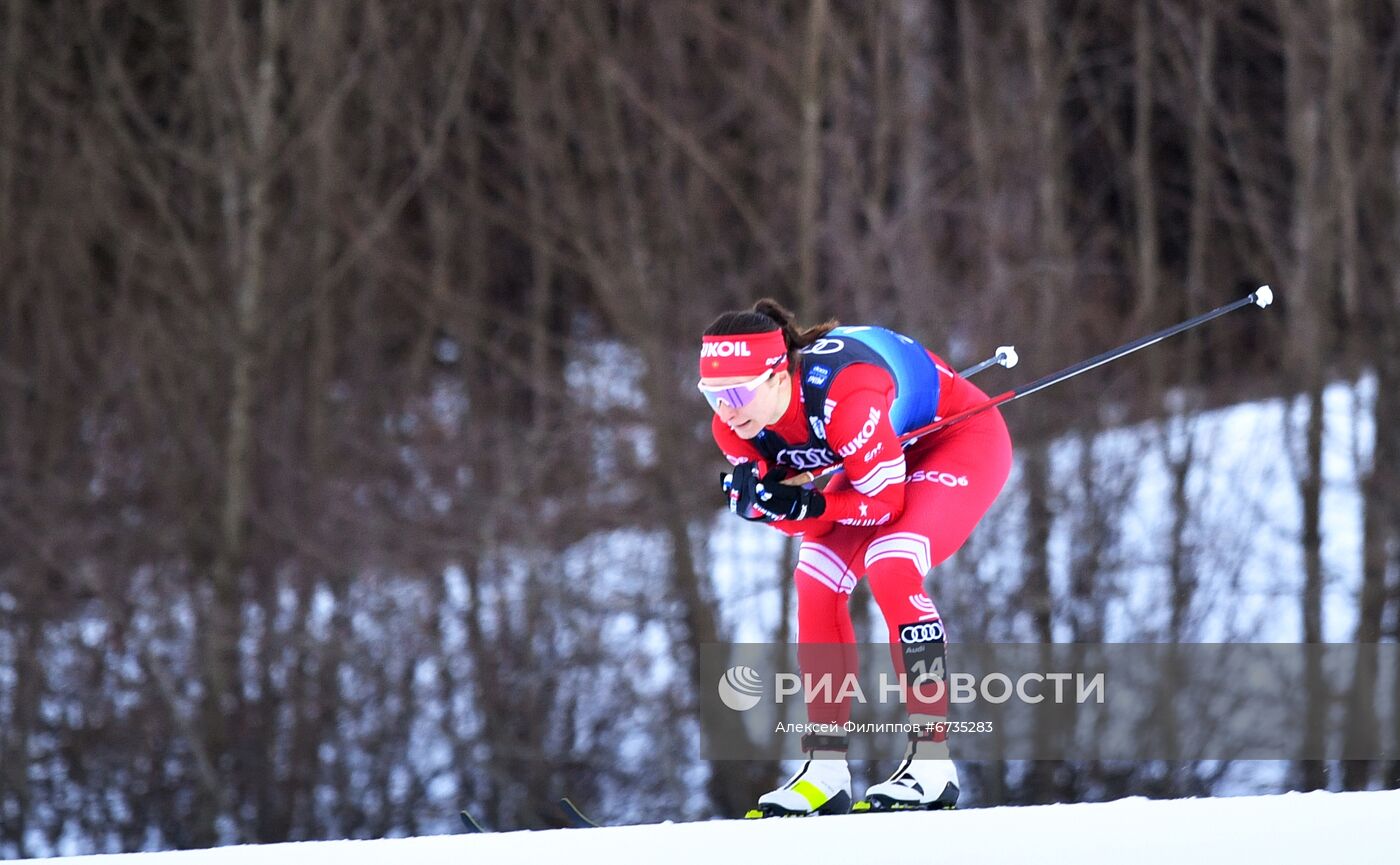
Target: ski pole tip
1007, 357
1263, 296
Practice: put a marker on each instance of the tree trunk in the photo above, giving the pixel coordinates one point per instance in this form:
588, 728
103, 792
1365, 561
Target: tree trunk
1202, 162
810, 149
1344, 50
1144, 181
1306, 310
1052, 249
980, 119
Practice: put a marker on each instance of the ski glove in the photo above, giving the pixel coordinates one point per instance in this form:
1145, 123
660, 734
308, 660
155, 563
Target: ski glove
763, 498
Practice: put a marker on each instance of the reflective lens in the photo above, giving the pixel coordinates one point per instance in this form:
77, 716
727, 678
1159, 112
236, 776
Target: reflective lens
734, 395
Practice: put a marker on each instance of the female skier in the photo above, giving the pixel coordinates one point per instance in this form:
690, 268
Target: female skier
788, 400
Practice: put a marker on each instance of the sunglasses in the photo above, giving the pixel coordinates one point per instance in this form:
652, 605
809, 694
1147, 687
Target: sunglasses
734, 395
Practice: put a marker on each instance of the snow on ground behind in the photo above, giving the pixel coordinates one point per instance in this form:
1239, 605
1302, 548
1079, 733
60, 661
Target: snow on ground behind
1353, 828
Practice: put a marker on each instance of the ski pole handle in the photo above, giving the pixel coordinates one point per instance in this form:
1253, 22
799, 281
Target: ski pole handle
1006, 356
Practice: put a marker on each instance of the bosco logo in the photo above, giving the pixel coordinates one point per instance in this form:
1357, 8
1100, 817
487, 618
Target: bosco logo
927, 632
947, 479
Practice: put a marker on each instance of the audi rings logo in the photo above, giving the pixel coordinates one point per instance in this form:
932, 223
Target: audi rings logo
740, 688
926, 632
804, 459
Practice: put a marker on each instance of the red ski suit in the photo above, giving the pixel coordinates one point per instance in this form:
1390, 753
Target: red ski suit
891, 516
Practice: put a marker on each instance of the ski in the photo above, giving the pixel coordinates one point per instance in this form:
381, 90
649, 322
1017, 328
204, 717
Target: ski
473, 827
761, 814
867, 806
576, 818
864, 806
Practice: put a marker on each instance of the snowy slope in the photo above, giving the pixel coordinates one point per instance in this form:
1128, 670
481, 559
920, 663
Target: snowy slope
1350, 828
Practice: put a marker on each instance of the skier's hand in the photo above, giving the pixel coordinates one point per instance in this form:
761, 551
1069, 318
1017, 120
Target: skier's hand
740, 486
778, 501
760, 496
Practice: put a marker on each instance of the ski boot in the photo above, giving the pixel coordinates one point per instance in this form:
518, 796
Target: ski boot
821, 786
926, 780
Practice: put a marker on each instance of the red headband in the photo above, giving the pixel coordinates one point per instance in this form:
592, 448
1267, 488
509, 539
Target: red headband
734, 354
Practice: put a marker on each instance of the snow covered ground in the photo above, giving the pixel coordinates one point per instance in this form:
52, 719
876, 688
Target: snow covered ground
1353, 828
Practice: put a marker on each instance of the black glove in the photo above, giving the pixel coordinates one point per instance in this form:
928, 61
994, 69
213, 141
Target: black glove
741, 487
766, 499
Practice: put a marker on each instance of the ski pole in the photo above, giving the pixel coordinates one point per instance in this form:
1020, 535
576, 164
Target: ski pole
1006, 356
1261, 297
